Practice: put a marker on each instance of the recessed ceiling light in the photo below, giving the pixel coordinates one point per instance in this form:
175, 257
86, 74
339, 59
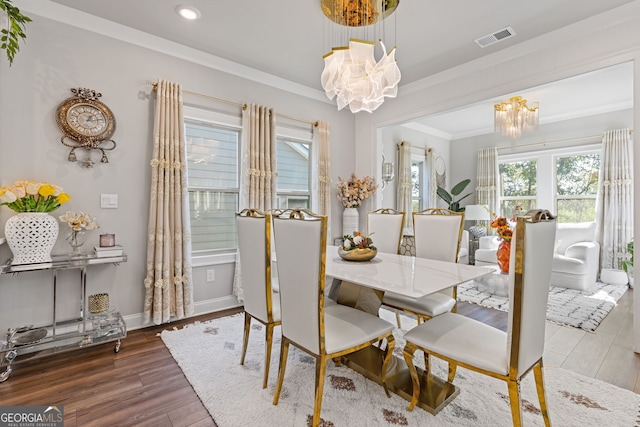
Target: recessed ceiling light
188, 12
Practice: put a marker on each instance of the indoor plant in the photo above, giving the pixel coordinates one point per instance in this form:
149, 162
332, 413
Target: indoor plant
15, 27
454, 205
32, 232
357, 247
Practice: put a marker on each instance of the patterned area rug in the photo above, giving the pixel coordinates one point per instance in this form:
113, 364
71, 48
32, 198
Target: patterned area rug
580, 309
209, 355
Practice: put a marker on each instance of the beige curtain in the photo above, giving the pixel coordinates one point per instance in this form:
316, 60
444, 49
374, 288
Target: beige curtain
257, 168
320, 168
403, 199
430, 162
259, 125
168, 282
614, 207
488, 181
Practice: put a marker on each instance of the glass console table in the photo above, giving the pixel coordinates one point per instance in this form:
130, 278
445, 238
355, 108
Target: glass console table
87, 329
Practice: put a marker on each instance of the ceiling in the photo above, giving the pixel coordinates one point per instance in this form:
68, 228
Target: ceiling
288, 38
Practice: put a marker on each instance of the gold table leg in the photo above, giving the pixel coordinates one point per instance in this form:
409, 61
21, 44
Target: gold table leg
435, 393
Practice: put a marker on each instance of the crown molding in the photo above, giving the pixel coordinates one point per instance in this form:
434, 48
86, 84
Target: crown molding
75, 18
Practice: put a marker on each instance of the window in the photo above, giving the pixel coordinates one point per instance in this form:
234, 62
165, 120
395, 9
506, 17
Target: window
564, 180
417, 180
292, 164
213, 184
518, 186
577, 187
213, 169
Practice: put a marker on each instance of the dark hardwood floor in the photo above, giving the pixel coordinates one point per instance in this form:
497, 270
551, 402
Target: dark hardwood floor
139, 386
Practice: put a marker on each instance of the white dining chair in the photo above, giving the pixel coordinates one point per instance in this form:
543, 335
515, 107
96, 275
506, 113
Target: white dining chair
260, 301
385, 226
437, 234
509, 356
324, 332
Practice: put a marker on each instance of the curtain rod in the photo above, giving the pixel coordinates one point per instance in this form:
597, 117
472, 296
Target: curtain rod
557, 140
238, 104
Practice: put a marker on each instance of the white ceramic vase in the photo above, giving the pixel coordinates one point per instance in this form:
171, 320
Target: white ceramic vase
350, 220
31, 236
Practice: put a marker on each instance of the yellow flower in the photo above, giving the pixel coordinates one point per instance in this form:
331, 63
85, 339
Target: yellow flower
63, 198
30, 196
46, 190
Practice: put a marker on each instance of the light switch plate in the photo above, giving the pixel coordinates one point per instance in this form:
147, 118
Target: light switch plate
109, 201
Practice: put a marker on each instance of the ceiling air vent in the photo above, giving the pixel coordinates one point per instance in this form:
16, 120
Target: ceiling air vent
499, 35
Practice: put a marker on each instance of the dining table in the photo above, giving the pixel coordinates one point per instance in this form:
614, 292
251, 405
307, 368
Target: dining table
412, 277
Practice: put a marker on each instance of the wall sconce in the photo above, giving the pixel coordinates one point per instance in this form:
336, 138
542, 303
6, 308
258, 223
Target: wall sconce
387, 172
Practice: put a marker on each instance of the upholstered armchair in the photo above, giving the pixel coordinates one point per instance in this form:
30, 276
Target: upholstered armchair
576, 257
486, 252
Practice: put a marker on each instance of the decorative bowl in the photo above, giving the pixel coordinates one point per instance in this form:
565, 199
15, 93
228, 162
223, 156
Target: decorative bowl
357, 254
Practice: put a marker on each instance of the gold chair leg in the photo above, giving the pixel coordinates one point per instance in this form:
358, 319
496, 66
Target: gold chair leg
321, 369
284, 352
515, 402
267, 353
245, 339
409, 349
452, 371
391, 342
537, 373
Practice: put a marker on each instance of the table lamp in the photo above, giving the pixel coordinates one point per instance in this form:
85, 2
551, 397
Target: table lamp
477, 213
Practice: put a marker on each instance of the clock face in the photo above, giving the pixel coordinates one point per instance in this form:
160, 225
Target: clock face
85, 120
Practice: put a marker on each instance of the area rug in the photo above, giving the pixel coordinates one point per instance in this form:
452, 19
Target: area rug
209, 355
571, 307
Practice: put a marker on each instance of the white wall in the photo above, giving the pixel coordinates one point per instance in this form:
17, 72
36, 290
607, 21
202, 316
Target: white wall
391, 136
58, 57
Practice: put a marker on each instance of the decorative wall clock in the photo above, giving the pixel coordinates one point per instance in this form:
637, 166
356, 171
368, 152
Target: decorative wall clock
86, 124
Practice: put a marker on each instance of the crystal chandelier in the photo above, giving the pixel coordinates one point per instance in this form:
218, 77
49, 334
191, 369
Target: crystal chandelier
514, 116
351, 73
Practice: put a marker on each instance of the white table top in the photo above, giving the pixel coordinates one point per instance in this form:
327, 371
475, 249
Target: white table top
405, 275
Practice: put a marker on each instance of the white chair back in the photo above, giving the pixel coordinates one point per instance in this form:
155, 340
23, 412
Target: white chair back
254, 247
529, 276
384, 226
437, 234
300, 241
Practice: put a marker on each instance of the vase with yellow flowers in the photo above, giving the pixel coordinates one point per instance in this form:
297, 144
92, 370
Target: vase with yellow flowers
32, 232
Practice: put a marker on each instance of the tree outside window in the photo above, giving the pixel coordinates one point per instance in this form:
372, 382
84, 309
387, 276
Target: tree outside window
577, 187
518, 186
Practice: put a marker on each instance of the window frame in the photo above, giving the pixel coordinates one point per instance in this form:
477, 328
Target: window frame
546, 179
557, 196
220, 121
290, 135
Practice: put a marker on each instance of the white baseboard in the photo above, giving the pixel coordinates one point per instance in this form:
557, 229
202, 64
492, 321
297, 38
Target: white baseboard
136, 321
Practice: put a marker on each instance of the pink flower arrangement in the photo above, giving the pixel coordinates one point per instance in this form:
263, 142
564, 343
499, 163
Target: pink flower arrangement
355, 191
